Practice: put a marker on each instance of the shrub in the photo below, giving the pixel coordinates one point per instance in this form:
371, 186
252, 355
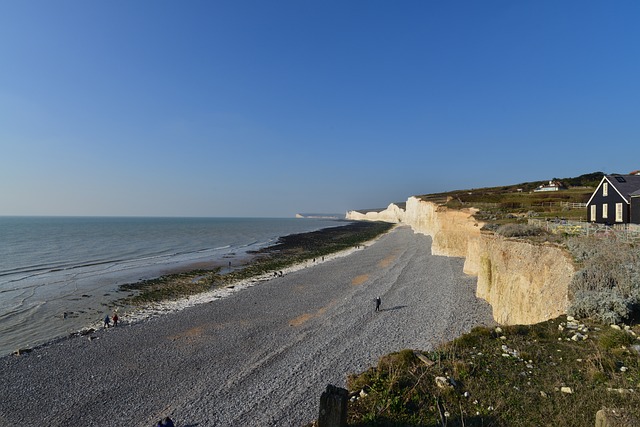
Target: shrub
606, 307
607, 287
519, 230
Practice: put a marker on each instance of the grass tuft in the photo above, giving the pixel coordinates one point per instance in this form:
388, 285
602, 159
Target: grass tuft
511, 377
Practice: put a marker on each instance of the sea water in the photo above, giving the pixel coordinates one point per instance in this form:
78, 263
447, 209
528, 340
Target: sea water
59, 274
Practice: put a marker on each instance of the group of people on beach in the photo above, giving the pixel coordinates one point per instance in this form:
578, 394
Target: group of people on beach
107, 320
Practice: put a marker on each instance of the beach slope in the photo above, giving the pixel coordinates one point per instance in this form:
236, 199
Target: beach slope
261, 356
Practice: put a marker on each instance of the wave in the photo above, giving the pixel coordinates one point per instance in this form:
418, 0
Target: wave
111, 264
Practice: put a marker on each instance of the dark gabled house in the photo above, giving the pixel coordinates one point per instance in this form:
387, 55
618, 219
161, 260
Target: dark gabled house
616, 200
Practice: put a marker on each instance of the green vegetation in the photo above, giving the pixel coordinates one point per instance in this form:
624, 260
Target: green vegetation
557, 372
290, 250
168, 287
517, 203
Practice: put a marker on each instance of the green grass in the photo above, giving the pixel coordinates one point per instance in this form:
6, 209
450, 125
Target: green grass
168, 287
516, 204
516, 385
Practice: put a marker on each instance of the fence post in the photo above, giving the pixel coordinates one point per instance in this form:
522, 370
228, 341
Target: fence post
333, 407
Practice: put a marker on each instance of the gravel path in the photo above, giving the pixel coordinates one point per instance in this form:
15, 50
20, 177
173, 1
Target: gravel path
260, 357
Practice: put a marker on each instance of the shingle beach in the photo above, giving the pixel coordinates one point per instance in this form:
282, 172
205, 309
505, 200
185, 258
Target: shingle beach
258, 357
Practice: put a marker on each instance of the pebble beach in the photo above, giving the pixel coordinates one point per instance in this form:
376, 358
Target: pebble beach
257, 354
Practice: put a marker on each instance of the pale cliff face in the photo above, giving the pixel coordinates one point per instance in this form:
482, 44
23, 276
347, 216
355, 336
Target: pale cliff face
525, 283
392, 214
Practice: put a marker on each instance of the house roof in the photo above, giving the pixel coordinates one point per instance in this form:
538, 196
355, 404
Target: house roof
626, 185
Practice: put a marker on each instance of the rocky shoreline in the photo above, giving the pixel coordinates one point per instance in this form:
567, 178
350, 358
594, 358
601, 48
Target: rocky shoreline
257, 357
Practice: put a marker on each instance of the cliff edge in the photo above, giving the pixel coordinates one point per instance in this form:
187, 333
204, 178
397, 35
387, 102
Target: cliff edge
524, 282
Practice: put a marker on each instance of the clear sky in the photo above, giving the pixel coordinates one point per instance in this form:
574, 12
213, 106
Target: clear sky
268, 108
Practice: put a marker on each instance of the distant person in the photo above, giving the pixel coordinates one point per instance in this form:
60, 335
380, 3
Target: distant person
107, 321
115, 319
378, 302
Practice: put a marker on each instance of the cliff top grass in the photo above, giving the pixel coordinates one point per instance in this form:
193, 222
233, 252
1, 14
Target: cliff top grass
557, 372
513, 203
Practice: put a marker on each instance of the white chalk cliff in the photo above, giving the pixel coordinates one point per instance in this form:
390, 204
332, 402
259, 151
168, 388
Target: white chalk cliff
524, 282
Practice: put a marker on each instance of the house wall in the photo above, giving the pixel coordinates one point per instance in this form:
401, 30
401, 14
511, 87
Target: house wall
611, 199
634, 216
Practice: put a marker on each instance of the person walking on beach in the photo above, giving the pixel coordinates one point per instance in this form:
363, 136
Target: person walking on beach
106, 321
115, 319
378, 301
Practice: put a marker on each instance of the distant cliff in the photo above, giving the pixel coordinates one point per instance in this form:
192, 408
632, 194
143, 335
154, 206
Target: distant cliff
524, 282
319, 215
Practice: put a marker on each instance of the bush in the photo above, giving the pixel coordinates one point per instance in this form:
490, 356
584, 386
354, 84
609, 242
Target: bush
606, 307
519, 230
607, 287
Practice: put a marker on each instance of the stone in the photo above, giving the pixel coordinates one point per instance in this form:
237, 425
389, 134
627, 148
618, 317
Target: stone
572, 325
567, 390
620, 390
616, 327
443, 382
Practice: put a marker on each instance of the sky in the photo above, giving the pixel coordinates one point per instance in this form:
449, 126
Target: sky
255, 108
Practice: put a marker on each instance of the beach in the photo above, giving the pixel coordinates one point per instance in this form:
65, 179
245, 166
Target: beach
60, 275
258, 353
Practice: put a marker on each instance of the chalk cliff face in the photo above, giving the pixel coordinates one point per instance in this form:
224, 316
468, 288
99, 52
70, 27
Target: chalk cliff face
391, 214
524, 282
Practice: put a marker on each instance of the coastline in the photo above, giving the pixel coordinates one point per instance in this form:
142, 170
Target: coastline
132, 314
258, 357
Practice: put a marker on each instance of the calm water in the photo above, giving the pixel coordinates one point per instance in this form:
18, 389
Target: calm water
55, 265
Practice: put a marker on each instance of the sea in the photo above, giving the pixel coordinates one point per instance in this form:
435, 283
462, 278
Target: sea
58, 275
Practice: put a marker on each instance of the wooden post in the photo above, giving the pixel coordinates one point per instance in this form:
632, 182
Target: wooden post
333, 407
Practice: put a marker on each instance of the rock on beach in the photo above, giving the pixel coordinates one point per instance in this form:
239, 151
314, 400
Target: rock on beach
259, 356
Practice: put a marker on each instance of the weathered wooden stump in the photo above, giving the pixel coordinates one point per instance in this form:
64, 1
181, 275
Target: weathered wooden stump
333, 407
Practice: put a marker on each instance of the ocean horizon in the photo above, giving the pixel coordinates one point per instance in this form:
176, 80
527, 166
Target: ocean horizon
59, 274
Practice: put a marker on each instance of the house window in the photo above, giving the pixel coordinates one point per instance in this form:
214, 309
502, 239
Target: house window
618, 212
593, 212
605, 189
605, 211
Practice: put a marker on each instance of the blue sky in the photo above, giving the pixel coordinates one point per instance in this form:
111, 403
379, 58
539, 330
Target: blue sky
268, 108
